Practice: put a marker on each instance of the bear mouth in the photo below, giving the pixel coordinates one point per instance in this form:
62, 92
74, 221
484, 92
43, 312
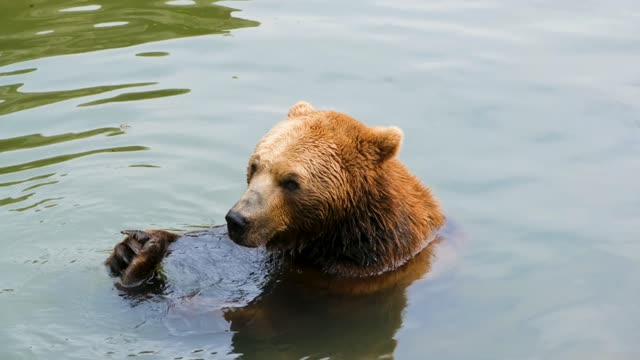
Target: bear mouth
234, 235
247, 237
241, 239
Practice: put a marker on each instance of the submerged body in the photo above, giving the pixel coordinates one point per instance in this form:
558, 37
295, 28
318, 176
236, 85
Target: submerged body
278, 308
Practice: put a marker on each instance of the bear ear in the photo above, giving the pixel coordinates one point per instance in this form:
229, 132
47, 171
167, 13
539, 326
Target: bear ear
300, 108
386, 140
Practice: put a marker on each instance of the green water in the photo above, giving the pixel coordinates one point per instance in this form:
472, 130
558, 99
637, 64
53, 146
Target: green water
524, 118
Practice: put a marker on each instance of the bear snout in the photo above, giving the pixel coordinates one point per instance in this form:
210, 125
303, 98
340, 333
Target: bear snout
236, 226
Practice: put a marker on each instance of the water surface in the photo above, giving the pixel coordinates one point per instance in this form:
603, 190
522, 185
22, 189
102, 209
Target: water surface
523, 118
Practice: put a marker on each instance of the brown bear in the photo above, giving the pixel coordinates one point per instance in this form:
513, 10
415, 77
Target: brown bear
326, 189
331, 202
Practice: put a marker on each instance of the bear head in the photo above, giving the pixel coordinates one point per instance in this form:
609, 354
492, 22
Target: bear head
325, 182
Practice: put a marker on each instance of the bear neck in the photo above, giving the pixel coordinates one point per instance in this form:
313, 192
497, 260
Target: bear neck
393, 218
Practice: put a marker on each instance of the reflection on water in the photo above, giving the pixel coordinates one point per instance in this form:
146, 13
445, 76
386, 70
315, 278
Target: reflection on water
40, 177
40, 28
138, 96
153, 53
47, 162
45, 201
43, 28
11, 100
9, 201
66, 157
18, 72
82, 8
40, 185
38, 140
15, 100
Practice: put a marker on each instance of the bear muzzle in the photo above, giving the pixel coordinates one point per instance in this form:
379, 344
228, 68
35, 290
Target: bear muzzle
237, 227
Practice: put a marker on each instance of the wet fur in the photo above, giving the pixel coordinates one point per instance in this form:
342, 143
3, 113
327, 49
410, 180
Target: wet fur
362, 212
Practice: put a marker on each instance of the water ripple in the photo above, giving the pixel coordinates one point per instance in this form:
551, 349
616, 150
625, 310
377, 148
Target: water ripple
67, 157
18, 72
34, 178
45, 201
37, 140
71, 30
14, 100
144, 95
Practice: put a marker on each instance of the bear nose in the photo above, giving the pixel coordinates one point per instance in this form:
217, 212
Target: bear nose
236, 224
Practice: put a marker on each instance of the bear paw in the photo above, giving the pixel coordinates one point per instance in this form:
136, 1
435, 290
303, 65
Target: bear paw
137, 256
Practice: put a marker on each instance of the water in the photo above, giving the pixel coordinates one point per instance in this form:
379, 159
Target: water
523, 118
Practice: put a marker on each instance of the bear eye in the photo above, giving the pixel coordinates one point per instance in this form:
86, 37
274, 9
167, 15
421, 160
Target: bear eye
251, 171
290, 184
